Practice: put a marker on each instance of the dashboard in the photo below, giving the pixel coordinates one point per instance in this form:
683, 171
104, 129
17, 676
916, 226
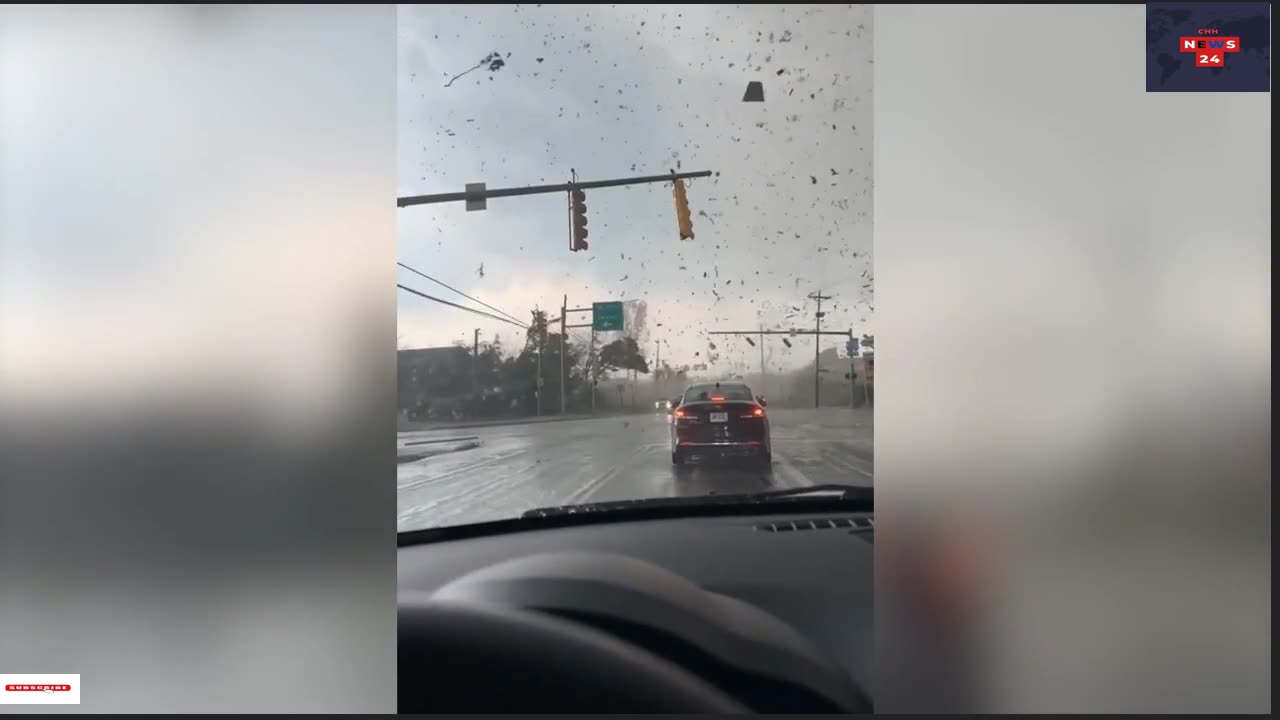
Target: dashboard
812, 572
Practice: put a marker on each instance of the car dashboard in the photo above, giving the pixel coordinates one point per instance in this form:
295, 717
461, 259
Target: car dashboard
811, 571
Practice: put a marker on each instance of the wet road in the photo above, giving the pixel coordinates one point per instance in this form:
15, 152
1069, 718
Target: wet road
505, 470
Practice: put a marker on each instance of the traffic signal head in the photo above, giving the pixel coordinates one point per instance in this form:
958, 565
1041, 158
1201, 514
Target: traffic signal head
578, 203
683, 220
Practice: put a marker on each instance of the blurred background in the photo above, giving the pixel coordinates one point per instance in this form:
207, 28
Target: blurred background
1073, 427
197, 371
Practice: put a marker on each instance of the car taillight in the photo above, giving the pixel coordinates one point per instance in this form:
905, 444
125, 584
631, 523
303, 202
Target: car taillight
757, 412
679, 413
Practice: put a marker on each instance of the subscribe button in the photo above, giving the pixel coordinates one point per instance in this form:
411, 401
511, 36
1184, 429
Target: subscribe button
39, 689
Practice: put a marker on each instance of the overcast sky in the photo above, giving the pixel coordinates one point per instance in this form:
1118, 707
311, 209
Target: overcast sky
616, 91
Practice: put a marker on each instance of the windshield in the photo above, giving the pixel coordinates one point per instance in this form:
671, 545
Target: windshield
603, 212
718, 393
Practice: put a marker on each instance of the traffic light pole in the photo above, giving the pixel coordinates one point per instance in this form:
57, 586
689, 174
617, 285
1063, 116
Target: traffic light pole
564, 333
541, 189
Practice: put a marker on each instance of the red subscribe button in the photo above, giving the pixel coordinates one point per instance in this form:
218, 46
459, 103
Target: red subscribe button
38, 687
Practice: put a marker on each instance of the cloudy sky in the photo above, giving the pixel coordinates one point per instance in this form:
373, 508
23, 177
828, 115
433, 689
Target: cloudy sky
614, 91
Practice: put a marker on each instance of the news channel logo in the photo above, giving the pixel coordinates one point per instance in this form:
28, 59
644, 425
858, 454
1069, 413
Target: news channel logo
1209, 47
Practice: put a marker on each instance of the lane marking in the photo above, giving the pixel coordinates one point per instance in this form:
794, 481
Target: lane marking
589, 488
789, 473
432, 479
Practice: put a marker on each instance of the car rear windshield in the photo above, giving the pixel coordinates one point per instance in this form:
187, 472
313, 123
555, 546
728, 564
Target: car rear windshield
723, 392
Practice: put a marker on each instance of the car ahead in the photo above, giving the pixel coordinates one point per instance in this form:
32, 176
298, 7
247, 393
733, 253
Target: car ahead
720, 419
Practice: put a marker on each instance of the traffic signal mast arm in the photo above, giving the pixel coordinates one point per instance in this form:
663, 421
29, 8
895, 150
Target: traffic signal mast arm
477, 194
845, 333
540, 189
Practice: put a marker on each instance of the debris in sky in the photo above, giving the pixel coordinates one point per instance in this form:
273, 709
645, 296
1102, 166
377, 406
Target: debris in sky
493, 60
480, 270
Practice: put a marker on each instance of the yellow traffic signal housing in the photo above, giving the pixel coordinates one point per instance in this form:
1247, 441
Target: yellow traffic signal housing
683, 220
578, 201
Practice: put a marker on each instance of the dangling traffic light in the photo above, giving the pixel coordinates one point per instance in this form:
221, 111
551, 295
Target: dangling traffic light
578, 201
682, 211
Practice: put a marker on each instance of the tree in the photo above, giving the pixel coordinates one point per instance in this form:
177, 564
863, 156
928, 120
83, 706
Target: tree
537, 332
623, 354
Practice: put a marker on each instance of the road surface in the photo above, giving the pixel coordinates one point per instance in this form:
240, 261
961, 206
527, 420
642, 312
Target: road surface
500, 472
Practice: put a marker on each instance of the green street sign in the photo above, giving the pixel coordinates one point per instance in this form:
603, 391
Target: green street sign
606, 316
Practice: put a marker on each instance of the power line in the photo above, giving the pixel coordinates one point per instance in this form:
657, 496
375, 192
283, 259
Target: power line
462, 307
450, 287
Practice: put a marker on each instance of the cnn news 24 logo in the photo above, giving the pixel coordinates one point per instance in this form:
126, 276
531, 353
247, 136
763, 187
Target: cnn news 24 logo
1210, 49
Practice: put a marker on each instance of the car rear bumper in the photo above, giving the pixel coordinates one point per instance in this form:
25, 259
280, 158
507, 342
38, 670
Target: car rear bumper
724, 448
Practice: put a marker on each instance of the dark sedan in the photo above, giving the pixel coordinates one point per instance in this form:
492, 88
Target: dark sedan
722, 420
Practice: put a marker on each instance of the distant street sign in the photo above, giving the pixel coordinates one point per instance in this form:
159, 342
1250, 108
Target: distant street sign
606, 316
852, 347
476, 203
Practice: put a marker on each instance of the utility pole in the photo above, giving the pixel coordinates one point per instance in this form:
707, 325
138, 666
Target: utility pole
762, 390
853, 372
539, 328
591, 359
475, 364
817, 344
564, 306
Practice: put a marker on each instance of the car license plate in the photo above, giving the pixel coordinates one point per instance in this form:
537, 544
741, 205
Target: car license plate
720, 417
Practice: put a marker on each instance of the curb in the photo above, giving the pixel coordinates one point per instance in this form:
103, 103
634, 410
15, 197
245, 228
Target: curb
503, 423
404, 458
